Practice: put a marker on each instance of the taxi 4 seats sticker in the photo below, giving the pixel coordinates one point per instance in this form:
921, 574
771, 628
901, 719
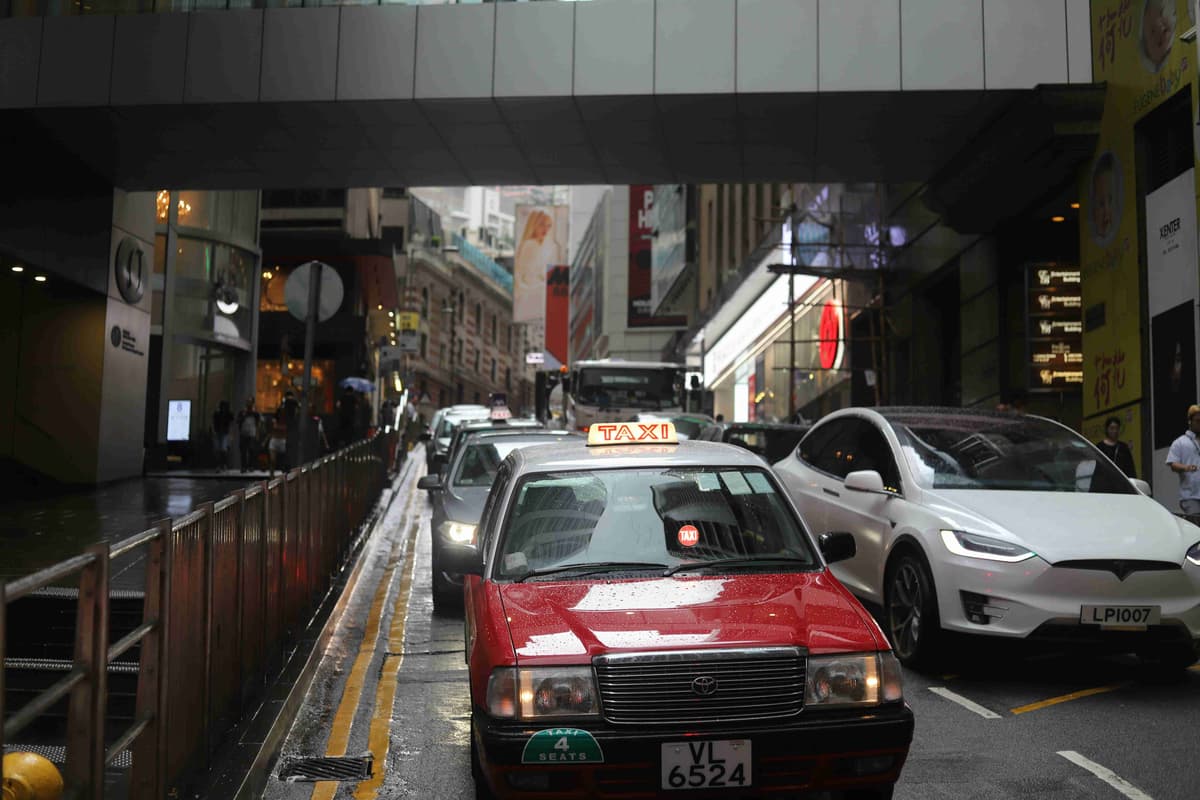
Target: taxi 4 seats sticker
689, 536
562, 746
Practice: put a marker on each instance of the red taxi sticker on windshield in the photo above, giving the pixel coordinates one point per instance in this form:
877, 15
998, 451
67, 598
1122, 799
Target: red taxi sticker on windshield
689, 536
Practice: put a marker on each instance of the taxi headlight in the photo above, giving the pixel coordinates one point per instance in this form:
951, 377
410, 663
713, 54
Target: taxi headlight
457, 532
864, 679
1193, 554
973, 545
542, 692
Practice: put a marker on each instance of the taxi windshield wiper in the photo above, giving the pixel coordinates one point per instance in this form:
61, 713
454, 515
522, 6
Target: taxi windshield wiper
592, 568
740, 561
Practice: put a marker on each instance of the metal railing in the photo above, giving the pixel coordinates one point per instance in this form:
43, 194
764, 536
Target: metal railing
228, 588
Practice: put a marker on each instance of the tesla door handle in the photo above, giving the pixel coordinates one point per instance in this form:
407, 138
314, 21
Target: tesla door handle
830, 492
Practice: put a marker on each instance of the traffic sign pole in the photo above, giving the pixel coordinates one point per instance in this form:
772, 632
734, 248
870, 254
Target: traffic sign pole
310, 333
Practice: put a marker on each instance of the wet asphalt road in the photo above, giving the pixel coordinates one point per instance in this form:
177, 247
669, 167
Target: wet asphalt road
992, 726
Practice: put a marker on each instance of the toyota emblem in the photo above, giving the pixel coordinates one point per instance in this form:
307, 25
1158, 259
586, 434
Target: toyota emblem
704, 685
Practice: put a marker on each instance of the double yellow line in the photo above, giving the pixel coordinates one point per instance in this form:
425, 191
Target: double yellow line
385, 692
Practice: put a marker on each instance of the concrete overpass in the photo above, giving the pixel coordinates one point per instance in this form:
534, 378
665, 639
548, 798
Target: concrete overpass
613, 91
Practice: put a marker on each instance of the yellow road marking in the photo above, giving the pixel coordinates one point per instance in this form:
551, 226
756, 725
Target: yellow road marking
339, 733
385, 693
1066, 698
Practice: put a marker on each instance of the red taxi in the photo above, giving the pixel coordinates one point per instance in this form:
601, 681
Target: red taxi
646, 617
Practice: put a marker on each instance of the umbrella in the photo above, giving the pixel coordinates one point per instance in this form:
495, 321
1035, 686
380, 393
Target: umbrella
358, 384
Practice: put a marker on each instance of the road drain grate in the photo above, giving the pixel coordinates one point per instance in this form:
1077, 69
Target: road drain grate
344, 768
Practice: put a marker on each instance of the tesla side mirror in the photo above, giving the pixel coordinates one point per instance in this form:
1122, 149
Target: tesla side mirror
430, 483
1142, 486
461, 559
866, 480
837, 546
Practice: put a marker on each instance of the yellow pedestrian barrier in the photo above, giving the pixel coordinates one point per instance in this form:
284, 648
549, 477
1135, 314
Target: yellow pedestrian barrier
28, 776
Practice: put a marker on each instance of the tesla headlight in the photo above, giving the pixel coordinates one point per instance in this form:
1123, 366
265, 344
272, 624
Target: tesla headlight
973, 545
862, 679
457, 532
1193, 554
535, 693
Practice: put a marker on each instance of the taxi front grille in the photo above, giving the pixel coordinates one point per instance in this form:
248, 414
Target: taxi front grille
701, 686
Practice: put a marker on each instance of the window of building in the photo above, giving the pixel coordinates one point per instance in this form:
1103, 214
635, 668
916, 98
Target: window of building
493, 370
478, 317
494, 328
442, 355
424, 302
477, 360
424, 344
507, 379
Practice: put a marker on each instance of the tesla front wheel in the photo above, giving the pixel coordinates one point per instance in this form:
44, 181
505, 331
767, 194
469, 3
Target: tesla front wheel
911, 610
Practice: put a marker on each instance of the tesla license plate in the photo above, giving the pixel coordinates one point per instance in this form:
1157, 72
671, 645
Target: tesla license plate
1121, 616
706, 765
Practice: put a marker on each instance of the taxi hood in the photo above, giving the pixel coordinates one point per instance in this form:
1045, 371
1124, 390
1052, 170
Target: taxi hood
566, 621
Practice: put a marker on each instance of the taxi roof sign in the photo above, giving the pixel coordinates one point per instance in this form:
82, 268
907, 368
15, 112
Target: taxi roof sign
612, 433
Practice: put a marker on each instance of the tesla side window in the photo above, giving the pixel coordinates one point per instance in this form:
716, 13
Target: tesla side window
814, 443
871, 451
831, 447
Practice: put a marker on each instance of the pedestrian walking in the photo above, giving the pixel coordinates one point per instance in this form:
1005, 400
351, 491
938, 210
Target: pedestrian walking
347, 416
277, 442
248, 423
222, 424
1184, 460
1117, 451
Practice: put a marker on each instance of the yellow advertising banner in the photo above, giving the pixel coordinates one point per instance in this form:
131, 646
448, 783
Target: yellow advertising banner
1137, 51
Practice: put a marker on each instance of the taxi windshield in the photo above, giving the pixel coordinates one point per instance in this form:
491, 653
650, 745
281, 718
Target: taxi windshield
657, 517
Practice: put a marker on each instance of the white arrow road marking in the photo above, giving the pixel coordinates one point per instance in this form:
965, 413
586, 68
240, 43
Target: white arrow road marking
969, 705
1107, 775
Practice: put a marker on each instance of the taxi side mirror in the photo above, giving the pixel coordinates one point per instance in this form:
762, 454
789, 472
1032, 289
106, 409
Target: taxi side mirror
837, 546
1142, 486
430, 483
462, 559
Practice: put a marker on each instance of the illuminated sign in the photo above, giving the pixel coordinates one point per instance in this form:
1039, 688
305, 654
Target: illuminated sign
602, 433
179, 419
833, 343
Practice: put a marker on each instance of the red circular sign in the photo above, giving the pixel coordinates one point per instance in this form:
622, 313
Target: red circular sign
689, 536
830, 335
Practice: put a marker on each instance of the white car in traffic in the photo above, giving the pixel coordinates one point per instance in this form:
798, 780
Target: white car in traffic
1000, 524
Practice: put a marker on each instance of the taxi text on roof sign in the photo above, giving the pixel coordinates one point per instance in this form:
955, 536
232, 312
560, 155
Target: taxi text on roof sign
603, 433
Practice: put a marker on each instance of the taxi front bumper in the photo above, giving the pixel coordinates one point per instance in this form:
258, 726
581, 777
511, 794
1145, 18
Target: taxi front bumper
818, 751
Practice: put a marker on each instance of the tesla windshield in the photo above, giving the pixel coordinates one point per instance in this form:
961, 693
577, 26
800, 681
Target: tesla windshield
638, 519
1003, 452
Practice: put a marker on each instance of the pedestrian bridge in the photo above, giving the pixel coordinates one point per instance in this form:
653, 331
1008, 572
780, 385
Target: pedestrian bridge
611, 91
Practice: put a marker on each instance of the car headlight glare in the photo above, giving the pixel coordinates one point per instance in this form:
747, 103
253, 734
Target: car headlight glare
457, 532
863, 679
972, 545
536, 693
1193, 554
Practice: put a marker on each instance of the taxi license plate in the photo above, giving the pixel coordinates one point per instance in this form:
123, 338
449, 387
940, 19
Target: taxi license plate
1120, 616
706, 765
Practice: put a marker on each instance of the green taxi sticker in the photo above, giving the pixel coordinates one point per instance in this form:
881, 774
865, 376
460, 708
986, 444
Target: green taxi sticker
562, 746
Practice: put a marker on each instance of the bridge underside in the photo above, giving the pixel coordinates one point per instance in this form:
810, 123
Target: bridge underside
858, 136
